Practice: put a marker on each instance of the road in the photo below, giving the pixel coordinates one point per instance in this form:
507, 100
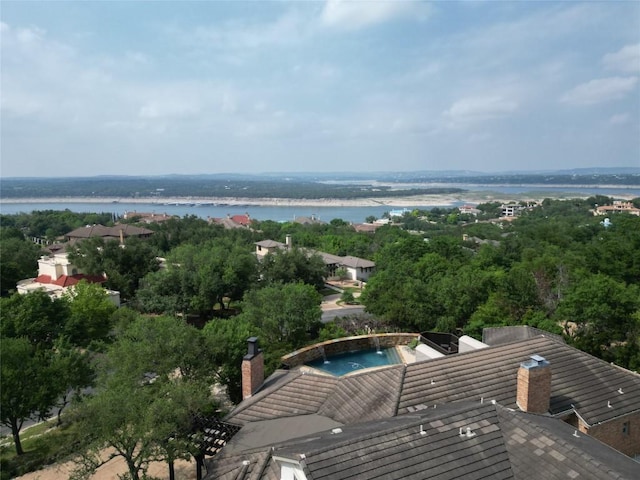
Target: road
332, 309
330, 315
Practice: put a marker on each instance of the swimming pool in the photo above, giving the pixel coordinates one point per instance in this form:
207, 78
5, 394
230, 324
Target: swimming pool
348, 362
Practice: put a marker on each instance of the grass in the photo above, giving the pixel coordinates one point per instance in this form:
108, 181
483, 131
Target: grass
43, 444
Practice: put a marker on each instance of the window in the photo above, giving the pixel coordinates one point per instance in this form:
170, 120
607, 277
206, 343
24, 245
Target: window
625, 428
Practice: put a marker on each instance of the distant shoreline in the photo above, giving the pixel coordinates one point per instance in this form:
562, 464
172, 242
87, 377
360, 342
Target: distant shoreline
472, 197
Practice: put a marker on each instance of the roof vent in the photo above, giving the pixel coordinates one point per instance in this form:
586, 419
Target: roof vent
245, 462
467, 433
609, 405
335, 431
422, 430
620, 391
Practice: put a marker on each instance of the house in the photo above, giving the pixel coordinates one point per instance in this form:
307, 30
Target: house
500, 411
147, 217
469, 210
312, 220
57, 275
399, 212
368, 227
617, 207
455, 441
358, 269
118, 232
234, 221
510, 210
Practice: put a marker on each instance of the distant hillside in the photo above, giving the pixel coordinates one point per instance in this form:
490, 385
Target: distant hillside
303, 185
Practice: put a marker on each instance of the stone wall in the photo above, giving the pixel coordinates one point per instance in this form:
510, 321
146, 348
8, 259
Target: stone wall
348, 344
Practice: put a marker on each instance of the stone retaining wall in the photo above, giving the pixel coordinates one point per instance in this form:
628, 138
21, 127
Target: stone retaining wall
348, 344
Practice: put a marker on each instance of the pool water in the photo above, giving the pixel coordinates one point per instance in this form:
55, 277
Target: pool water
348, 362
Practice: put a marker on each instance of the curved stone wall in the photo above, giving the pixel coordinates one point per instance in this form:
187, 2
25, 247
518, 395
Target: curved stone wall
347, 344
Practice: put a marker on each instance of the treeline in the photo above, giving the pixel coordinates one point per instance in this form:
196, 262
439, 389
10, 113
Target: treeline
550, 179
178, 186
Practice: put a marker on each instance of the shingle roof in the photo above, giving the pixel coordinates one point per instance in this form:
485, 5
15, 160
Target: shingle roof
578, 379
501, 444
91, 231
294, 394
356, 262
270, 244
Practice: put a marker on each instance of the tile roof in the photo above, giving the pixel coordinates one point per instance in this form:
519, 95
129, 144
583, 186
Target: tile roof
434, 443
356, 262
91, 231
270, 244
579, 381
69, 280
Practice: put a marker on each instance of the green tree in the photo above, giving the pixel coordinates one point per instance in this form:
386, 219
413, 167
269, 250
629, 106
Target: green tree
19, 259
90, 314
226, 345
291, 266
124, 267
198, 278
72, 373
284, 313
599, 312
34, 316
154, 382
29, 385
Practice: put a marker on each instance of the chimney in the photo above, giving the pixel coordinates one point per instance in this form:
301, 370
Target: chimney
534, 385
252, 369
288, 241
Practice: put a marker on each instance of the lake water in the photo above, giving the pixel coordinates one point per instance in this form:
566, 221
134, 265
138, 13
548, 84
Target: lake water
289, 213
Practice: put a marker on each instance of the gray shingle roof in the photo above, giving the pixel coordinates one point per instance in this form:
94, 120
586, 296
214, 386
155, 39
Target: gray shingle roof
578, 379
91, 231
502, 444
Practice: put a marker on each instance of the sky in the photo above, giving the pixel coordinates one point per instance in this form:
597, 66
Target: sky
180, 87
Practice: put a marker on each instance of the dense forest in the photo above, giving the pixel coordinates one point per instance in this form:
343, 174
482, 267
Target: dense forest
194, 292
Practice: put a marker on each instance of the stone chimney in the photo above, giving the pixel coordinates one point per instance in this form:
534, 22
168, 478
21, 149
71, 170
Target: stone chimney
252, 369
534, 385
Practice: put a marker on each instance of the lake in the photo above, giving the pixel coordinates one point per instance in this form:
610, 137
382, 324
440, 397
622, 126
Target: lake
289, 213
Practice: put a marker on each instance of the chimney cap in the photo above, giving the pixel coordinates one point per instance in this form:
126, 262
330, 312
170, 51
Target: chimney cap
253, 350
536, 361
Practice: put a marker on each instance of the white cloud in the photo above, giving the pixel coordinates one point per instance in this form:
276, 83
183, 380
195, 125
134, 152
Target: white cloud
287, 29
167, 109
627, 59
472, 109
600, 90
356, 14
619, 119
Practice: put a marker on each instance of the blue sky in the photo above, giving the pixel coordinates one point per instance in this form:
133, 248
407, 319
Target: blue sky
160, 87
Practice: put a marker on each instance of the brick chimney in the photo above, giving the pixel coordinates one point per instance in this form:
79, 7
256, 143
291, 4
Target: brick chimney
534, 385
252, 369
